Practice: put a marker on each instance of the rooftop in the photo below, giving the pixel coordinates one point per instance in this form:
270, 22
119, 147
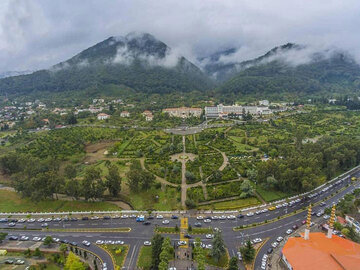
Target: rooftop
320, 252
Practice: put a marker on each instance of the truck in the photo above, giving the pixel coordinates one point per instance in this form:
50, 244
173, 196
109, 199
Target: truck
140, 219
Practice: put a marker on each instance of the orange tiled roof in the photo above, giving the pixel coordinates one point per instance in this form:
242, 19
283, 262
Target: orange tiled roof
322, 253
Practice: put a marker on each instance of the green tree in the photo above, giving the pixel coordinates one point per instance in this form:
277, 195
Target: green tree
165, 254
156, 244
70, 171
2, 236
73, 262
248, 252
92, 185
48, 241
218, 250
199, 253
233, 264
246, 189
63, 248
37, 253
113, 181
72, 188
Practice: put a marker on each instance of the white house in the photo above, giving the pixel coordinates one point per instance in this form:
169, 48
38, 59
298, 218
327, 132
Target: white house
103, 116
124, 114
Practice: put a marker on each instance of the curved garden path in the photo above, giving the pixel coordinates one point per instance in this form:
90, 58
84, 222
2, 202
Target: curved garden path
158, 178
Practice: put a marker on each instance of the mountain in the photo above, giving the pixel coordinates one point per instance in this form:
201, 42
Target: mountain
14, 73
138, 62
293, 70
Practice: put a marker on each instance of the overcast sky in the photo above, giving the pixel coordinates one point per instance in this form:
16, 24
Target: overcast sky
36, 34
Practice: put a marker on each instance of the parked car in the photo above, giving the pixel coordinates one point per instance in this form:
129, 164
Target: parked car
147, 243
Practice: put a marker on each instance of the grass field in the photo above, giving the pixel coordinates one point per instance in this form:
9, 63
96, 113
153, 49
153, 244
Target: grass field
223, 262
12, 202
120, 257
271, 195
234, 204
144, 259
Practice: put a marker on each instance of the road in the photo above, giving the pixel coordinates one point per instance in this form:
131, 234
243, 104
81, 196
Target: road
140, 233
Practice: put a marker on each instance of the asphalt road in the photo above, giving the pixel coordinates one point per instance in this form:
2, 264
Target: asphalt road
140, 233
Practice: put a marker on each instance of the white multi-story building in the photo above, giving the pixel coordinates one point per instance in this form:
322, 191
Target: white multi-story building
124, 114
221, 111
183, 112
103, 116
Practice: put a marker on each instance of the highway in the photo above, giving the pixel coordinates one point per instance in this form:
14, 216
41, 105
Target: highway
140, 232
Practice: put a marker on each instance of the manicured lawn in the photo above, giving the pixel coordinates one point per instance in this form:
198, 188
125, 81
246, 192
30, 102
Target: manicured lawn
166, 230
271, 195
12, 202
234, 204
223, 262
144, 259
120, 257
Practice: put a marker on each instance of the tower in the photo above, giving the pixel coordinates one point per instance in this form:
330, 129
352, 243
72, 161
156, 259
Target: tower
331, 222
308, 223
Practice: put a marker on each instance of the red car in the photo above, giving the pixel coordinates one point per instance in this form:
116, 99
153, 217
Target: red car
303, 222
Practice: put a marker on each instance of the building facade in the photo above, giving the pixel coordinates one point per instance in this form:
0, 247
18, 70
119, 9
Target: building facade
222, 111
183, 112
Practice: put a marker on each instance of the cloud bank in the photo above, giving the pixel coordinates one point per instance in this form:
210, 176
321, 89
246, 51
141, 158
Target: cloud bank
37, 34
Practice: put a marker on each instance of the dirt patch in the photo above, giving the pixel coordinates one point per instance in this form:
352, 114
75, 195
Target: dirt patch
121, 204
97, 151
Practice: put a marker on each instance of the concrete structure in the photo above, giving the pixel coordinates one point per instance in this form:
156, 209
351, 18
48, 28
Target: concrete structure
148, 115
353, 222
124, 114
264, 102
103, 116
222, 111
183, 112
321, 253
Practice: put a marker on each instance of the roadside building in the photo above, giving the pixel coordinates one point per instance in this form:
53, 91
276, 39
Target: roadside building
148, 115
103, 116
321, 252
264, 102
222, 111
124, 114
183, 112
353, 222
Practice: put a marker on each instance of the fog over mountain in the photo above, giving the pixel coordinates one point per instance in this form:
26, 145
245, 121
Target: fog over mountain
38, 34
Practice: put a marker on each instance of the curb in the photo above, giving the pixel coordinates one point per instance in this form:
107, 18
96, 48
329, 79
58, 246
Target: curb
258, 250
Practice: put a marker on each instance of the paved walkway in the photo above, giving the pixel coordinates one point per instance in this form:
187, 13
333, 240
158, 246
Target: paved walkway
158, 178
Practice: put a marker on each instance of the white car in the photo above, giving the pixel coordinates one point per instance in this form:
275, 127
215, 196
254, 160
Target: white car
21, 220
279, 239
24, 238
44, 225
214, 217
326, 216
115, 217
147, 243
208, 246
56, 240
209, 236
119, 242
222, 217
165, 222
99, 242
258, 212
289, 231
124, 216
159, 217
36, 239
19, 262
250, 214
31, 220
57, 219
199, 217
181, 243
231, 217
239, 255
41, 220
278, 206
207, 220
95, 218
48, 219
275, 244
285, 204
86, 243
264, 210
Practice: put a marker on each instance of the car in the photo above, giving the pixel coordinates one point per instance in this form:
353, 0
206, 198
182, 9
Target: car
73, 243
298, 200
285, 204
214, 217
64, 241
222, 217
197, 224
48, 219
56, 240
216, 229
19, 262
275, 244
86, 243
199, 217
99, 242
85, 218
119, 242
272, 208
165, 221
147, 223
269, 251
239, 255
94, 218
322, 204
31, 220
13, 238
24, 238
133, 216
106, 217
9, 261
11, 224
250, 214
209, 236
174, 217
124, 216
41, 220
66, 219
265, 210
231, 217
150, 217
207, 220
295, 227
74, 219
44, 225
278, 206
57, 219
188, 236
140, 218
181, 243
21, 220
36, 239
264, 258
159, 217
258, 212
279, 239
326, 216
303, 222
4, 220
240, 216
147, 243
115, 217
208, 246
256, 240
319, 214
289, 231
